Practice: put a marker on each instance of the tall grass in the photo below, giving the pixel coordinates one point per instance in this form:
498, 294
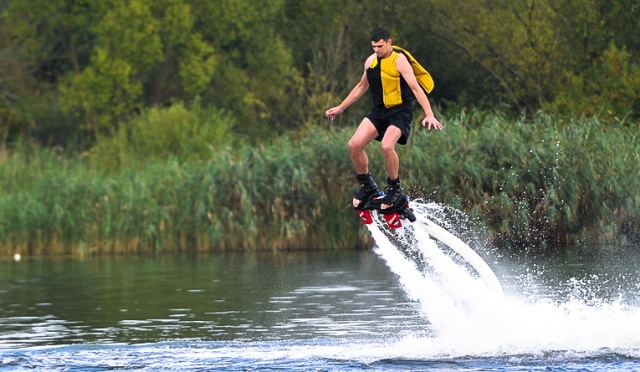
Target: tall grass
534, 181
283, 195
529, 182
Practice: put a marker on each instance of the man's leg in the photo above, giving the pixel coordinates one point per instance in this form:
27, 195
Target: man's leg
392, 160
365, 133
389, 142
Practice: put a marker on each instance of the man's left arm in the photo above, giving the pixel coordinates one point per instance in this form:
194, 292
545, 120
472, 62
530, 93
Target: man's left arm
404, 68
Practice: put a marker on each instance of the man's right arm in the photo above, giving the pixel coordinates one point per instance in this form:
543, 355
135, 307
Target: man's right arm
354, 95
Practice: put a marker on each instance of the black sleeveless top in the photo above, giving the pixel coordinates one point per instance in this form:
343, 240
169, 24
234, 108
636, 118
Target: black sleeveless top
375, 86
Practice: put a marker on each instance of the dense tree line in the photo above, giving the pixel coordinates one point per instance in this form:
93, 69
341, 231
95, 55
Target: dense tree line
74, 70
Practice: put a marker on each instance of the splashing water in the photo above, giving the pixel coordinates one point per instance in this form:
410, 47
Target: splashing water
469, 317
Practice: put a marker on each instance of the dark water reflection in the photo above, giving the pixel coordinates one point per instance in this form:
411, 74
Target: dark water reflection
218, 297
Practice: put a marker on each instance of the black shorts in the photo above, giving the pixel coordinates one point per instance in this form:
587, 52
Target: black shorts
398, 116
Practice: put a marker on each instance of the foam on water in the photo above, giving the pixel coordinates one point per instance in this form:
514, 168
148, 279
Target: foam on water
471, 319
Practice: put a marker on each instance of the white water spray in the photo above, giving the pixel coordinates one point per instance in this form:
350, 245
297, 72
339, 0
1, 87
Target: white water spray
470, 314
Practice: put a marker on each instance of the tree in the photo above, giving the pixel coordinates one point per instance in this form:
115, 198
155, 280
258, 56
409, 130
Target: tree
43, 46
330, 47
12, 76
106, 60
609, 89
527, 46
145, 52
253, 62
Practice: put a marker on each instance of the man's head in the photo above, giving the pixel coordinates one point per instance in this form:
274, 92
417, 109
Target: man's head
381, 42
380, 34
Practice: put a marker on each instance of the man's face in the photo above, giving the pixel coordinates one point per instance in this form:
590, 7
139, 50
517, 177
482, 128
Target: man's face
382, 48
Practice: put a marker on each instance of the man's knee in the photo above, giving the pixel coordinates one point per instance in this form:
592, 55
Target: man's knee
388, 148
357, 143
354, 146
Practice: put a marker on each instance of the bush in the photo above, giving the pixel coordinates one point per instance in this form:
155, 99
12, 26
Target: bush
186, 134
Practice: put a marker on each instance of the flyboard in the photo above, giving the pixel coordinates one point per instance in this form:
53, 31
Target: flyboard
393, 215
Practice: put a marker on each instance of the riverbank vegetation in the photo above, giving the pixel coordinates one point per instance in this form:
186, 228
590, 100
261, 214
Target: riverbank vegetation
148, 125
530, 182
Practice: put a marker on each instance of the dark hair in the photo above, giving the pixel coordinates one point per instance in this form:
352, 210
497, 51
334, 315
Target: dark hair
380, 33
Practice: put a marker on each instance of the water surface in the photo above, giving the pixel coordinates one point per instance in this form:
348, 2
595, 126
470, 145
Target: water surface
402, 306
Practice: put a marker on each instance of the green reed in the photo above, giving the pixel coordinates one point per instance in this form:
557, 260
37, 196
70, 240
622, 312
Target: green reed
287, 194
534, 181
529, 182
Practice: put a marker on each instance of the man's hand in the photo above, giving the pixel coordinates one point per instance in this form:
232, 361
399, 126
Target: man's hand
332, 112
432, 121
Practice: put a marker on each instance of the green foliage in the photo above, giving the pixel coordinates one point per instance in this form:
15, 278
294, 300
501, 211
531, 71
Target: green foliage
114, 57
189, 61
514, 42
127, 74
610, 89
176, 132
254, 63
74, 70
529, 182
197, 65
102, 93
110, 88
54, 38
254, 198
525, 47
532, 182
36, 47
312, 94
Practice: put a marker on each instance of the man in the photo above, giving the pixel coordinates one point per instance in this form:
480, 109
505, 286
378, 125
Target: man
389, 120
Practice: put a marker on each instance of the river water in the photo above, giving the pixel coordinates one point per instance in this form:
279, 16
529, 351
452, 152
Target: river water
409, 304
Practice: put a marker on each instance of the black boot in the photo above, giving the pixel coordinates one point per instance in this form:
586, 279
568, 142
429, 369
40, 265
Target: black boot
393, 195
368, 189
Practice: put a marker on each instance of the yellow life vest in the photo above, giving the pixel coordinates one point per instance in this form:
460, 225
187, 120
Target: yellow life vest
391, 92
422, 75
